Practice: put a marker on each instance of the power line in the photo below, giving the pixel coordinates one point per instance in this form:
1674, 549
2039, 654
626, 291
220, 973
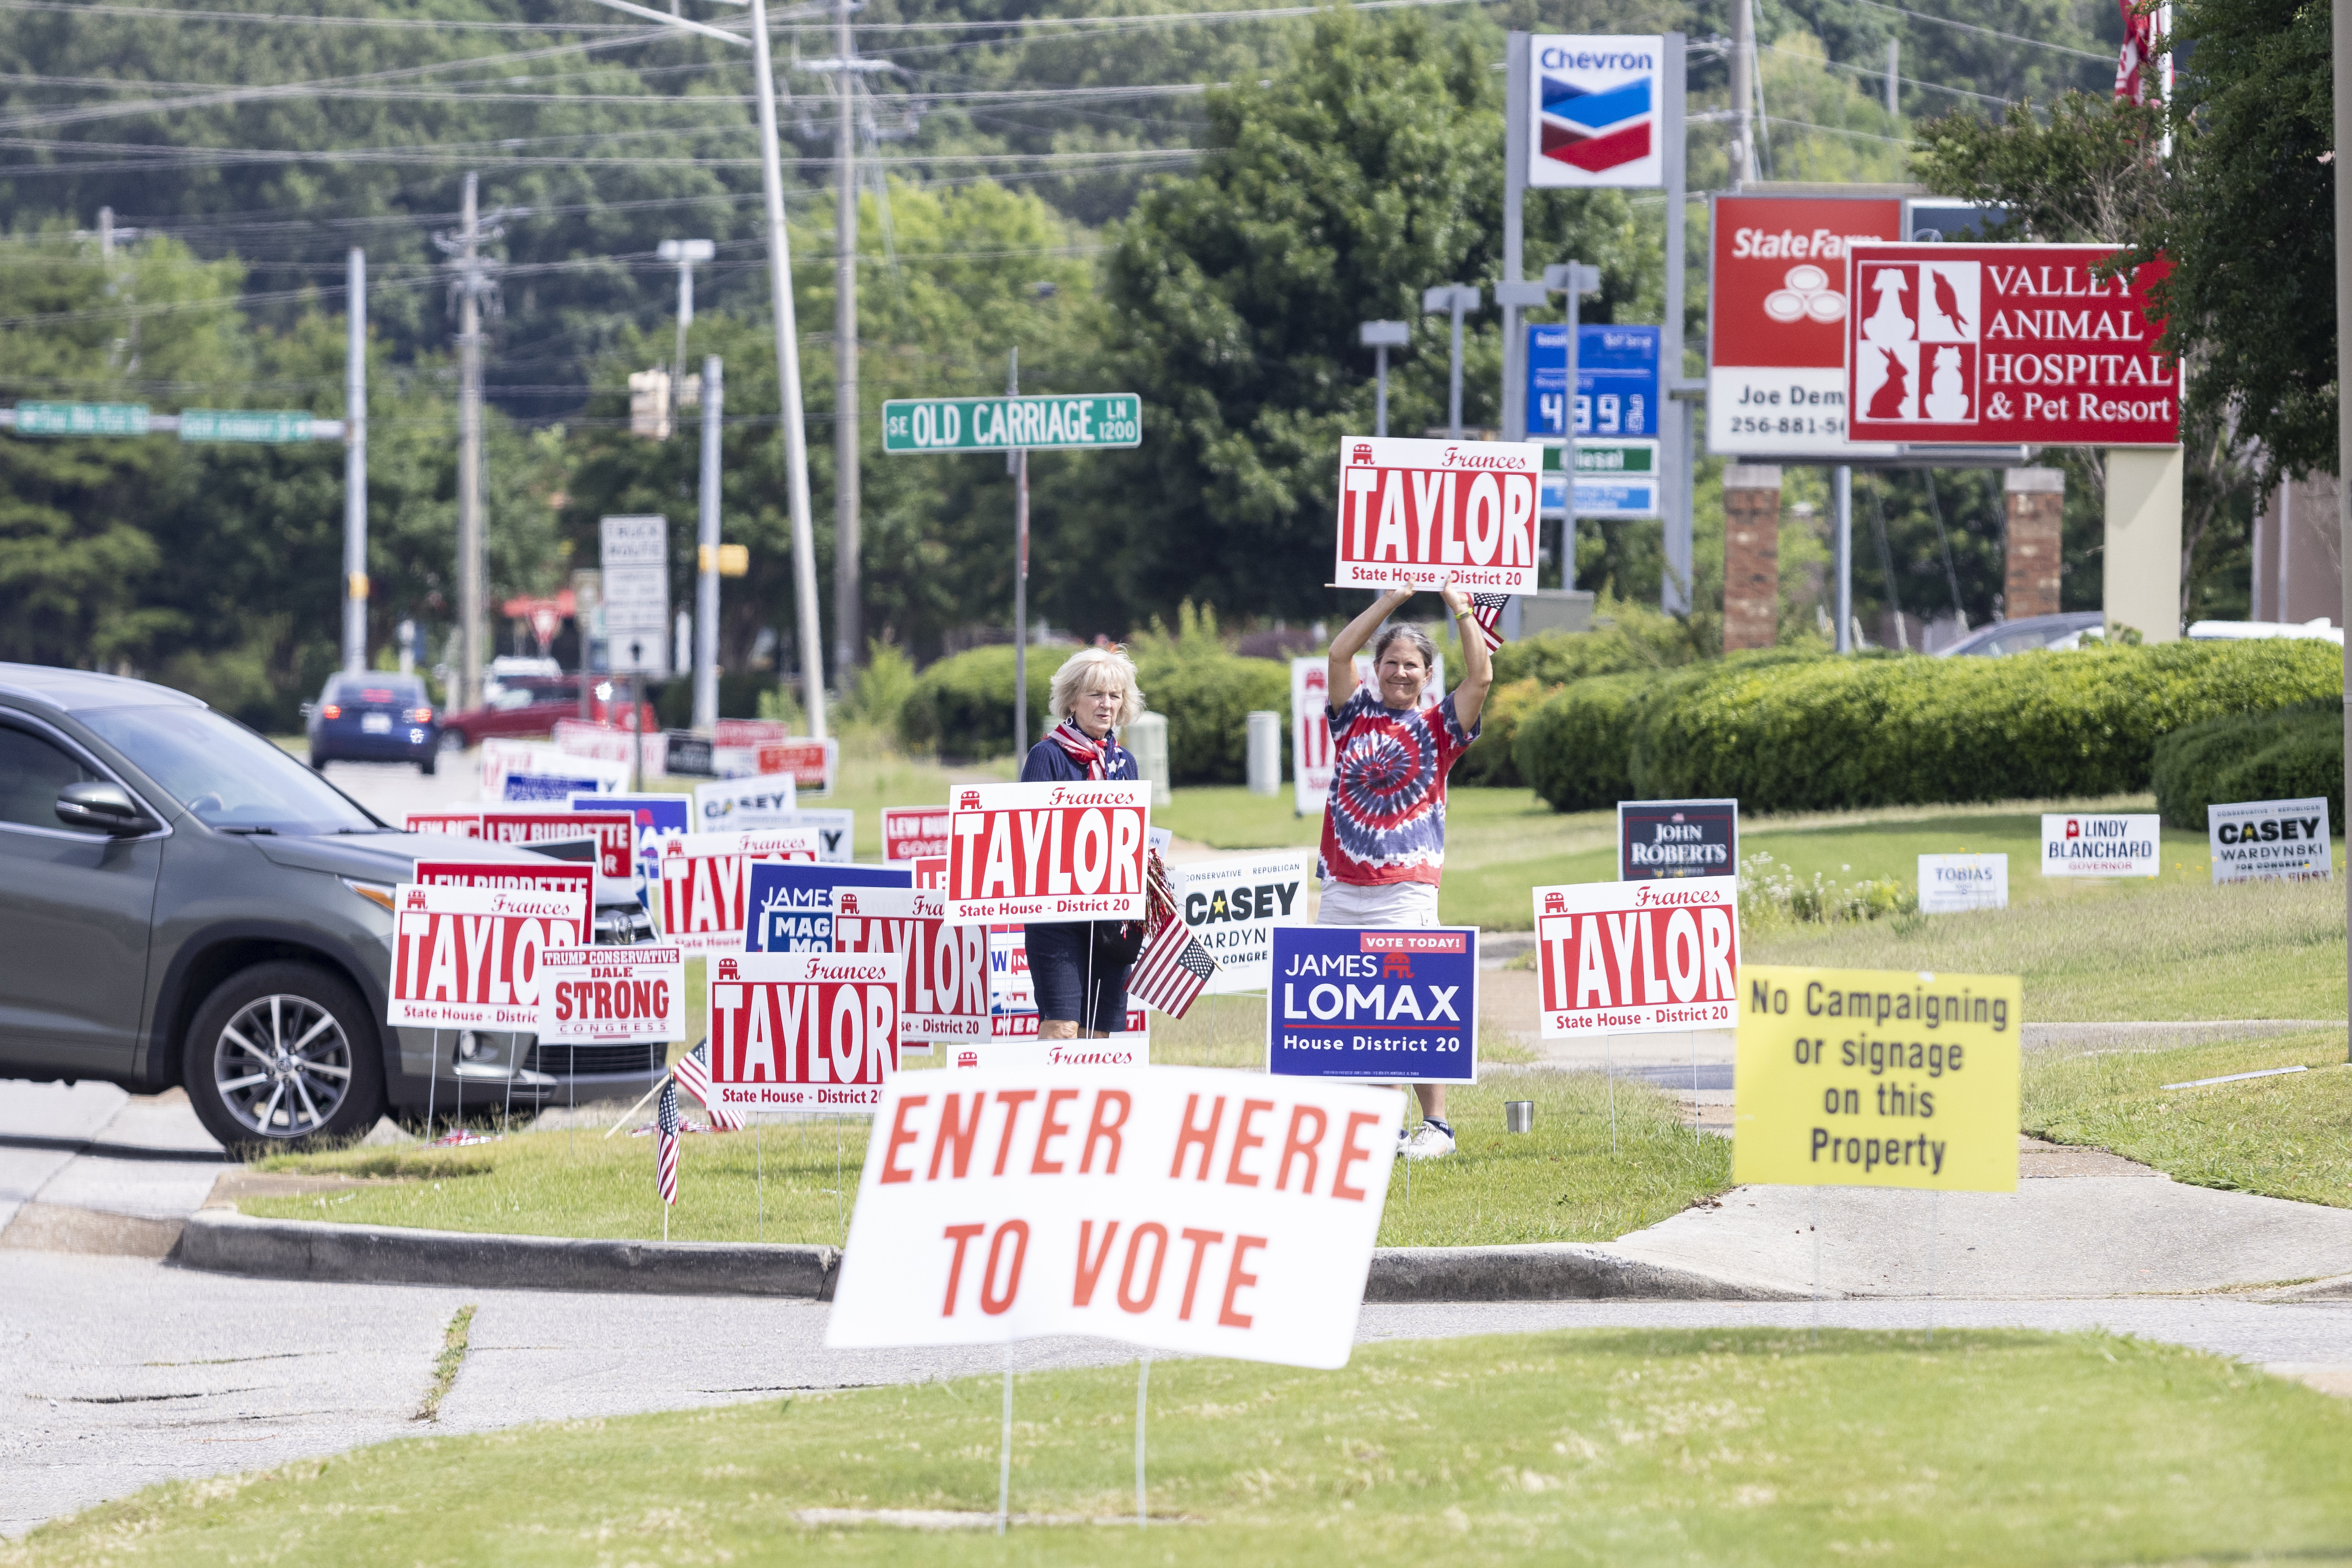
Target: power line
1150, 19
1988, 32
1880, 75
298, 19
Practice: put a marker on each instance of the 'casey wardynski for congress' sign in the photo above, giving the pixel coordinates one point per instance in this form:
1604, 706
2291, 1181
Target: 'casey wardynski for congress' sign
1233, 906
1873, 1078
1183, 1208
2283, 839
1009, 423
1422, 511
1631, 958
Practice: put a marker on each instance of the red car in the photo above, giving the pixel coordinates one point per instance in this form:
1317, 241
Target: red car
531, 706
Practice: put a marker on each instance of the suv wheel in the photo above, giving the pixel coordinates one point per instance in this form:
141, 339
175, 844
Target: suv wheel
453, 742
283, 1057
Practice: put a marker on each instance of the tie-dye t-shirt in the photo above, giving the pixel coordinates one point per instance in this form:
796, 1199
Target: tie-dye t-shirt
1385, 819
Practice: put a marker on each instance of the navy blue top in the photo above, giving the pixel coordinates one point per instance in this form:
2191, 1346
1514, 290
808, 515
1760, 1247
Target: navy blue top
1048, 764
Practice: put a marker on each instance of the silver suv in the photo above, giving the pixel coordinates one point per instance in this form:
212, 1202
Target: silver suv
182, 902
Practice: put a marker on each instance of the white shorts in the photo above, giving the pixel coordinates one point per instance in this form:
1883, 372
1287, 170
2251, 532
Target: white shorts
1412, 905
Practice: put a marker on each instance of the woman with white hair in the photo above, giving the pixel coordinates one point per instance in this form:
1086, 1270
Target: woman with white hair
1384, 822
1080, 968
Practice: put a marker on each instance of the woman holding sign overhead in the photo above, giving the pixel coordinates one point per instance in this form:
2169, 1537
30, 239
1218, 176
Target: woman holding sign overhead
1384, 822
1080, 968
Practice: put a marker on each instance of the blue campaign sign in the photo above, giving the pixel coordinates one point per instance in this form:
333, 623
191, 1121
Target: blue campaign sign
1616, 381
659, 817
1395, 1006
789, 906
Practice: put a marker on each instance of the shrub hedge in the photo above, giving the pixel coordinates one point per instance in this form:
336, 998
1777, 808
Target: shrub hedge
1492, 762
2294, 754
962, 705
1788, 730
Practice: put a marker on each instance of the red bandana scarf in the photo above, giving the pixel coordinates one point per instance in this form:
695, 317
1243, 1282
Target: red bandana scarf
1097, 757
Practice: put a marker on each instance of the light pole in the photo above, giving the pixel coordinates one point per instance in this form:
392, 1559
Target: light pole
1379, 337
705, 554
1459, 299
787, 325
685, 253
355, 552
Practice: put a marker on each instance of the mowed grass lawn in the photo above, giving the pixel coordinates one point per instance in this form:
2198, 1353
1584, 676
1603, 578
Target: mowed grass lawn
1598, 1447
2286, 1136
797, 1181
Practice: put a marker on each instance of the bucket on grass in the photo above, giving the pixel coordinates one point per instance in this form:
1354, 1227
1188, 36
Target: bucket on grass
1518, 1116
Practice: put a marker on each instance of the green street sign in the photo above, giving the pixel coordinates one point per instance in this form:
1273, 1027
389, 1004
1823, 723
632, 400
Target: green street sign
81, 419
244, 425
1008, 424
1605, 457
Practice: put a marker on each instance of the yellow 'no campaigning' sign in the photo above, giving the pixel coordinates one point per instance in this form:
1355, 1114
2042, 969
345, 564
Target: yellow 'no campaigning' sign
1876, 1077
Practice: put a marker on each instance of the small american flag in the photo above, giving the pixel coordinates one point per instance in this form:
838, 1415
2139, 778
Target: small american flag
1486, 609
693, 1071
666, 1127
1174, 966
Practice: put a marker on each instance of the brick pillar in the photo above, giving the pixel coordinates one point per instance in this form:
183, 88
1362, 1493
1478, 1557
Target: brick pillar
2037, 500
1751, 556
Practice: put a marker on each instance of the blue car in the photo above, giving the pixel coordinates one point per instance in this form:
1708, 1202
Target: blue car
372, 718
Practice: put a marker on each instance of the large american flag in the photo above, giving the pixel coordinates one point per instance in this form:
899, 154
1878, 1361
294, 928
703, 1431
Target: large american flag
666, 1128
1173, 967
1486, 609
693, 1071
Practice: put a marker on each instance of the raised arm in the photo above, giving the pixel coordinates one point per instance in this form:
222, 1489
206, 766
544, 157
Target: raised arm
1471, 695
1352, 640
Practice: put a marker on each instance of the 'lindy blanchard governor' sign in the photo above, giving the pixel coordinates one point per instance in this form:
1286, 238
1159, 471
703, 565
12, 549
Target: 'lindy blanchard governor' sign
2080, 844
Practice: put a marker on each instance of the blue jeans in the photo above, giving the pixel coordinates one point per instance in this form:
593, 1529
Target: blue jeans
1058, 963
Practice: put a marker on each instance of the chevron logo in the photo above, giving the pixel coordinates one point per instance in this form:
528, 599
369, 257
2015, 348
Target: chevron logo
1595, 131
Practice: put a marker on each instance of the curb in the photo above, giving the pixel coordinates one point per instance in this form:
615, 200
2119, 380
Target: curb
221, 1241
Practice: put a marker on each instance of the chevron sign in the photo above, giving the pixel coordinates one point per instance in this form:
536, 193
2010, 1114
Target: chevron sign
1595, 102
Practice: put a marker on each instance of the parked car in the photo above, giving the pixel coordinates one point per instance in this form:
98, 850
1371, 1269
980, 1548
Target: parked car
2028, 634
372, 718
183, 902
531, 706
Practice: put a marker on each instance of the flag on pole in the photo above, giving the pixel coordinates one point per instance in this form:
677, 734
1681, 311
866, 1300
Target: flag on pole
693, 1070
2132, 63
665, 1129
1174, 966
1486, 609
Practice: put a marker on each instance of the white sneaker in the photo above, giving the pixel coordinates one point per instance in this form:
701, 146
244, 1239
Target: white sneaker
1428, 1142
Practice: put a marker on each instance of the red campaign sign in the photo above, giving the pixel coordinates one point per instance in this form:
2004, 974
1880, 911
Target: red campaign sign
615, 832
1779, 300
611, 995
553, 877
2002, 344
1629, 958
706, 882
1422, 511
804, 1031
931, 872
945, 990
748, 732
468, 957
1049, 852
912, 832
464, 823
810, 763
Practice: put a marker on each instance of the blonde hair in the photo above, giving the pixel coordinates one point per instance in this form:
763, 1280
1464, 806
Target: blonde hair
1092, 667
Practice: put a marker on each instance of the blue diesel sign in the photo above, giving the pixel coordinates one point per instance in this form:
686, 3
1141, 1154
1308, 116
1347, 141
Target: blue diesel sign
1616, 381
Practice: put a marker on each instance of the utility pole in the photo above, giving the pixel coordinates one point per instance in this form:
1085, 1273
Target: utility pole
845, 616
1017, 463
469, 455
2341, 26
1743, 100
1894, 76
1458, 299
1675, 424
1379, 337
355, 552
685, 253
706, 556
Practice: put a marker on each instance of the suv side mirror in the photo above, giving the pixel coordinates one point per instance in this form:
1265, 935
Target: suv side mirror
102, 807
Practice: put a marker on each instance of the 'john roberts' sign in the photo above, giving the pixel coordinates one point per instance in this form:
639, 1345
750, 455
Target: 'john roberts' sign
1677, 838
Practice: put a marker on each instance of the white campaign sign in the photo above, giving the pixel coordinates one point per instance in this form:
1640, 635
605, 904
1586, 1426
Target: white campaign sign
1415, 511
1011, 1038
1310, 724
611, 995
1949, 884
1183, 1208
2085, 846
945, 990
804, 1031
531, 760
1053, 852
468, 957
732, 805
2263, 839
1634, 958
1233, 904
706, 883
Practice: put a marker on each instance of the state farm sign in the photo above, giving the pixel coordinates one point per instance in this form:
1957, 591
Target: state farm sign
1422, 511
2002, 344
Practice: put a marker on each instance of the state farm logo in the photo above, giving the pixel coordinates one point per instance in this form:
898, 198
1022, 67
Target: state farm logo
1805, 294
1596, 130
1917, 360
968, 801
